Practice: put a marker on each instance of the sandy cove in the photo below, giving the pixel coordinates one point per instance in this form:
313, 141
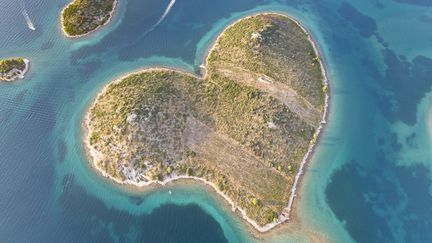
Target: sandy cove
92, 153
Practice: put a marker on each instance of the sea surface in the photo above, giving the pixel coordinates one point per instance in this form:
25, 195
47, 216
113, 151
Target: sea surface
369, 180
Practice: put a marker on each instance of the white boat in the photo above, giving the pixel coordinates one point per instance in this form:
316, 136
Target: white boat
28, 20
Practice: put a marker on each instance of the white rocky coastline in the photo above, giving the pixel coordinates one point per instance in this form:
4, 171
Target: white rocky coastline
285, 215
15, 74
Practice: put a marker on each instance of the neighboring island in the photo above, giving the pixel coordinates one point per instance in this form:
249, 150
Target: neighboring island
13, 68
246, 128
81, 17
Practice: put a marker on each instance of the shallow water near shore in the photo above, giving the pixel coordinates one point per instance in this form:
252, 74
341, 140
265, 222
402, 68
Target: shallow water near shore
369, 180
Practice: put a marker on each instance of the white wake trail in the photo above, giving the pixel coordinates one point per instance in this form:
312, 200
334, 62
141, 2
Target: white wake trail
28, 20
166, 12
26, 16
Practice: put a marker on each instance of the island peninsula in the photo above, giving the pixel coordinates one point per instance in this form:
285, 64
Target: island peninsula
246, 128
13, 68
82, 17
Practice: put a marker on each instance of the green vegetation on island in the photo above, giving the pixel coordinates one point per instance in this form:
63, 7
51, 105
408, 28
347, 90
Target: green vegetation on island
245, 126
12, 68
83, 16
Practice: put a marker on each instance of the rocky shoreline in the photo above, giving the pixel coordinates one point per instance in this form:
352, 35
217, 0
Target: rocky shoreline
111, 14
15, 74
283, 217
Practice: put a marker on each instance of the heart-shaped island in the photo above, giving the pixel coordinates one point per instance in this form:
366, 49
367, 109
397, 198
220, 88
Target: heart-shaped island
246, 127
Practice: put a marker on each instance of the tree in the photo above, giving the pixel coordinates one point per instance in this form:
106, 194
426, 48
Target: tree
169, 170
189, 172
255, 201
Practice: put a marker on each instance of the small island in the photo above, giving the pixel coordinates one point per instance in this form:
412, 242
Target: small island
246, 127
82, 17
13, 68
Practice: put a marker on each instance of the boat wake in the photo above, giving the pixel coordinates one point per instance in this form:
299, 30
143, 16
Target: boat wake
26, 16
166, 12
28, 20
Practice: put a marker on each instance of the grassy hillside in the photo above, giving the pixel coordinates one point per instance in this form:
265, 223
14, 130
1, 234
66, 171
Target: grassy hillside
245, 126
82, 16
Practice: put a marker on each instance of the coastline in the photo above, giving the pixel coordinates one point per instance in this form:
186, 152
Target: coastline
111, 14
92, 153
318, 133
22, 74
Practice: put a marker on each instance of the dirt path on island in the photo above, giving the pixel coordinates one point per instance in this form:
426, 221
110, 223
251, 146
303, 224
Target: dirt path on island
237, 164
295, 102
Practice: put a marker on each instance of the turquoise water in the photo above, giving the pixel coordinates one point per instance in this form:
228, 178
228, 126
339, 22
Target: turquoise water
369, 180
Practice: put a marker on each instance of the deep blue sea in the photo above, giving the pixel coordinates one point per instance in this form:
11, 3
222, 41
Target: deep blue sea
369, 180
